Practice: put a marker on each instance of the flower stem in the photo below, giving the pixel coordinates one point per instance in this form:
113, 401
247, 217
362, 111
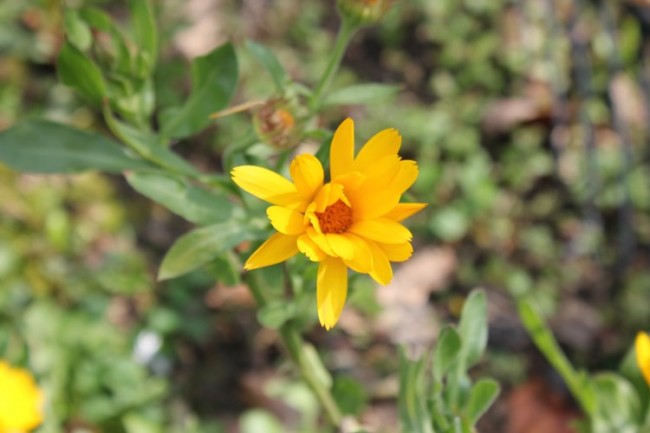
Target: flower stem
346, 31
308, 365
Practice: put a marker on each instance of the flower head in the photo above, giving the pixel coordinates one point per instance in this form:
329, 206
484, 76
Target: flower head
20, 400
363, 11
642, 349
352, 221
275, 123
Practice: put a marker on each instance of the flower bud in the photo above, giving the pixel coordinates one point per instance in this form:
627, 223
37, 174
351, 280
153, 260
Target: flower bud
275, 123
363, 11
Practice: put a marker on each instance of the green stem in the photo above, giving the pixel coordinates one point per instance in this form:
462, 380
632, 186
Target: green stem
297, 350
346, 31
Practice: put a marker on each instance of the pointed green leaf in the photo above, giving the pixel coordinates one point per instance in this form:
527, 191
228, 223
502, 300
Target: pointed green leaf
446, 352
77, 30
481, 397
201, 245
145, 32
40, 146
411, 401
195, 204
473, 328
149, 146
79, 72
270, 63
214, 79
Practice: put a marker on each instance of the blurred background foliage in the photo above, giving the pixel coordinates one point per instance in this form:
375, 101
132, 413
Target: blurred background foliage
529, 120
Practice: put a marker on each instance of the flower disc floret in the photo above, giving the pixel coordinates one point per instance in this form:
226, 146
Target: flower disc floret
353, 221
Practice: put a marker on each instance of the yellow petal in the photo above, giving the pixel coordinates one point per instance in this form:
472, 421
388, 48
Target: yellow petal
21, 401
320, 240
381, 173
276, 249
342, 149
341, 246
331, 289
307, 173
286, 221
308, 247
329, 194
404, 210
381, 230
265, 184
384, 143
642, 348
381, 269
361, 260
406, 176
397, 252
374, 204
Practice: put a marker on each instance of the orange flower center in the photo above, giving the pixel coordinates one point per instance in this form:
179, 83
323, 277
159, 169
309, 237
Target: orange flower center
336, 218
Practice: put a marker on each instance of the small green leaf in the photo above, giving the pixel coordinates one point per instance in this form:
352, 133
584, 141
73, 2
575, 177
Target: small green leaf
473, 328
258, 420
274, 314
149, 146
195, 204
446, 352
617, 405
359, 94
40, 146
214, 79
349, 394
578, 384
270, 63
79, 72
201, 245
481, 397
145, 32
413, 414
77, 30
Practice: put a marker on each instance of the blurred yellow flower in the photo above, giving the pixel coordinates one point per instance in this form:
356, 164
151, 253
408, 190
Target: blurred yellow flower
352, 221
20, 400
642, 348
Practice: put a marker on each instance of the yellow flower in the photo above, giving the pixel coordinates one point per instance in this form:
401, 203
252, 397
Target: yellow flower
642, 348
20, 400
352, 221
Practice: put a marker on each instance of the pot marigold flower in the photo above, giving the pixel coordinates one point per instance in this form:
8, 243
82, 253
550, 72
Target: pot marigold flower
20, 400
642, 349
352, 221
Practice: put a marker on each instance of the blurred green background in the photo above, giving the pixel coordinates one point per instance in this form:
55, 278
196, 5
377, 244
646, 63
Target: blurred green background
529, 121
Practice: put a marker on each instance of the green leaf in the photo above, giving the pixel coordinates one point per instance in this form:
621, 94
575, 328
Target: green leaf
40, 146
481, 397
473, 329
349, 394
76, 30
361, 94
270, 63
446, 352
413, 414
275, 313
145, 32
617, 405
195, 204
149, 146
214, 78
79, 72
543, 338
201, 245
258, 420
